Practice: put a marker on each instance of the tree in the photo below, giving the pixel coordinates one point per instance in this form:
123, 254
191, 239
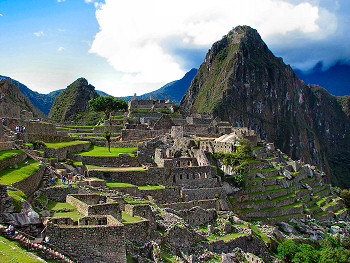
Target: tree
287, 250
107, 105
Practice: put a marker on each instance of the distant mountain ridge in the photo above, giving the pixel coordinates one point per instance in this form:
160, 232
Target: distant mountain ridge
174, 90
41, 101
335, 79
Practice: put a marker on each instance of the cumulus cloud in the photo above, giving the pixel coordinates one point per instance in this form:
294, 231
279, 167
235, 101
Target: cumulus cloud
61, 1
60, 49
1, 15
39, 34
148, 40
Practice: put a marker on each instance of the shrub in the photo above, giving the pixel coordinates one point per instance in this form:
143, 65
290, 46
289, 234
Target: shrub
37, 144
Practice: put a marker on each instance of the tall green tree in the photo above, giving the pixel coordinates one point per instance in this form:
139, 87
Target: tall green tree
107, 105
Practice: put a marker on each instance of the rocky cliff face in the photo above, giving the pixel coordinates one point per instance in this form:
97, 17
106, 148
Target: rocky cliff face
12, 101
72, 101
244, 83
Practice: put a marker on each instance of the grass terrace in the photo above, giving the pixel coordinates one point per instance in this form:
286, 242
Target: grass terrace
58, 145
64, 210
130, 219
11, 175
8, 154
103, 151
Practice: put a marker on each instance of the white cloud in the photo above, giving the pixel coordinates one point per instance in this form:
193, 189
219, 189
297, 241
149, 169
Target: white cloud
89, 1
137, 37
60, 49
1, 15
39, 34
61, 1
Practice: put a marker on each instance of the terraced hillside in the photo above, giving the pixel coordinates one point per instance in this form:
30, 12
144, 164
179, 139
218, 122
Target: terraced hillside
278, 189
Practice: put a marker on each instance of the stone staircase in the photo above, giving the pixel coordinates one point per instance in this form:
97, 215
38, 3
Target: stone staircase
47, 251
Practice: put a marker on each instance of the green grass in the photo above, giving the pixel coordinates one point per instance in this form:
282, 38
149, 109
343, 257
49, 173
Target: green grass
58, 145
103, 151
130, 219
227, 237
8, 154
132, 201
11, 175
150, 187
11, 251
55, 206
114, 184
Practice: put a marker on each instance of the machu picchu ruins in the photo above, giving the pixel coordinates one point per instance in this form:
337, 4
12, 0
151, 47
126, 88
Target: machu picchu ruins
246, 168
169, 189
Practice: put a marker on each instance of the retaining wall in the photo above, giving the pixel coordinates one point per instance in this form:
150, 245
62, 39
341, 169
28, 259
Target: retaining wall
31, 183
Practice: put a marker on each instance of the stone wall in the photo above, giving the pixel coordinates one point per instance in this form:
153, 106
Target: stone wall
59, 194
205, 204
202, 193
32, 127
124, 144
91, 243
139, 232
48, 137
194, 177
141, 134
107, 161
112, 129
93, 204
197, 216
140, 210
31, 183
61, 153
12, 161
148, 177
112, 209
6, 145
246, 243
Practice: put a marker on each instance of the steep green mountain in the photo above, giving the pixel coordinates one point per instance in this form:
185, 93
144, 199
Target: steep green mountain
73, 101
244, 83
174, 90
12, 101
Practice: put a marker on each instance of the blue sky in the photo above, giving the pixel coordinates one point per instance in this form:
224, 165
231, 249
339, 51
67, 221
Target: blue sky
123, 47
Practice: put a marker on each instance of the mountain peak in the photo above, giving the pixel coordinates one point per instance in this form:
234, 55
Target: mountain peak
242, 82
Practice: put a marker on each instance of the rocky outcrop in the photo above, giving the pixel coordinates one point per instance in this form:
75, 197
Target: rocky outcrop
241, 81
72, 101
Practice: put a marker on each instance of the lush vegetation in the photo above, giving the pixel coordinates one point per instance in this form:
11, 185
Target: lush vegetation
107, 105
239, 160
330, 250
